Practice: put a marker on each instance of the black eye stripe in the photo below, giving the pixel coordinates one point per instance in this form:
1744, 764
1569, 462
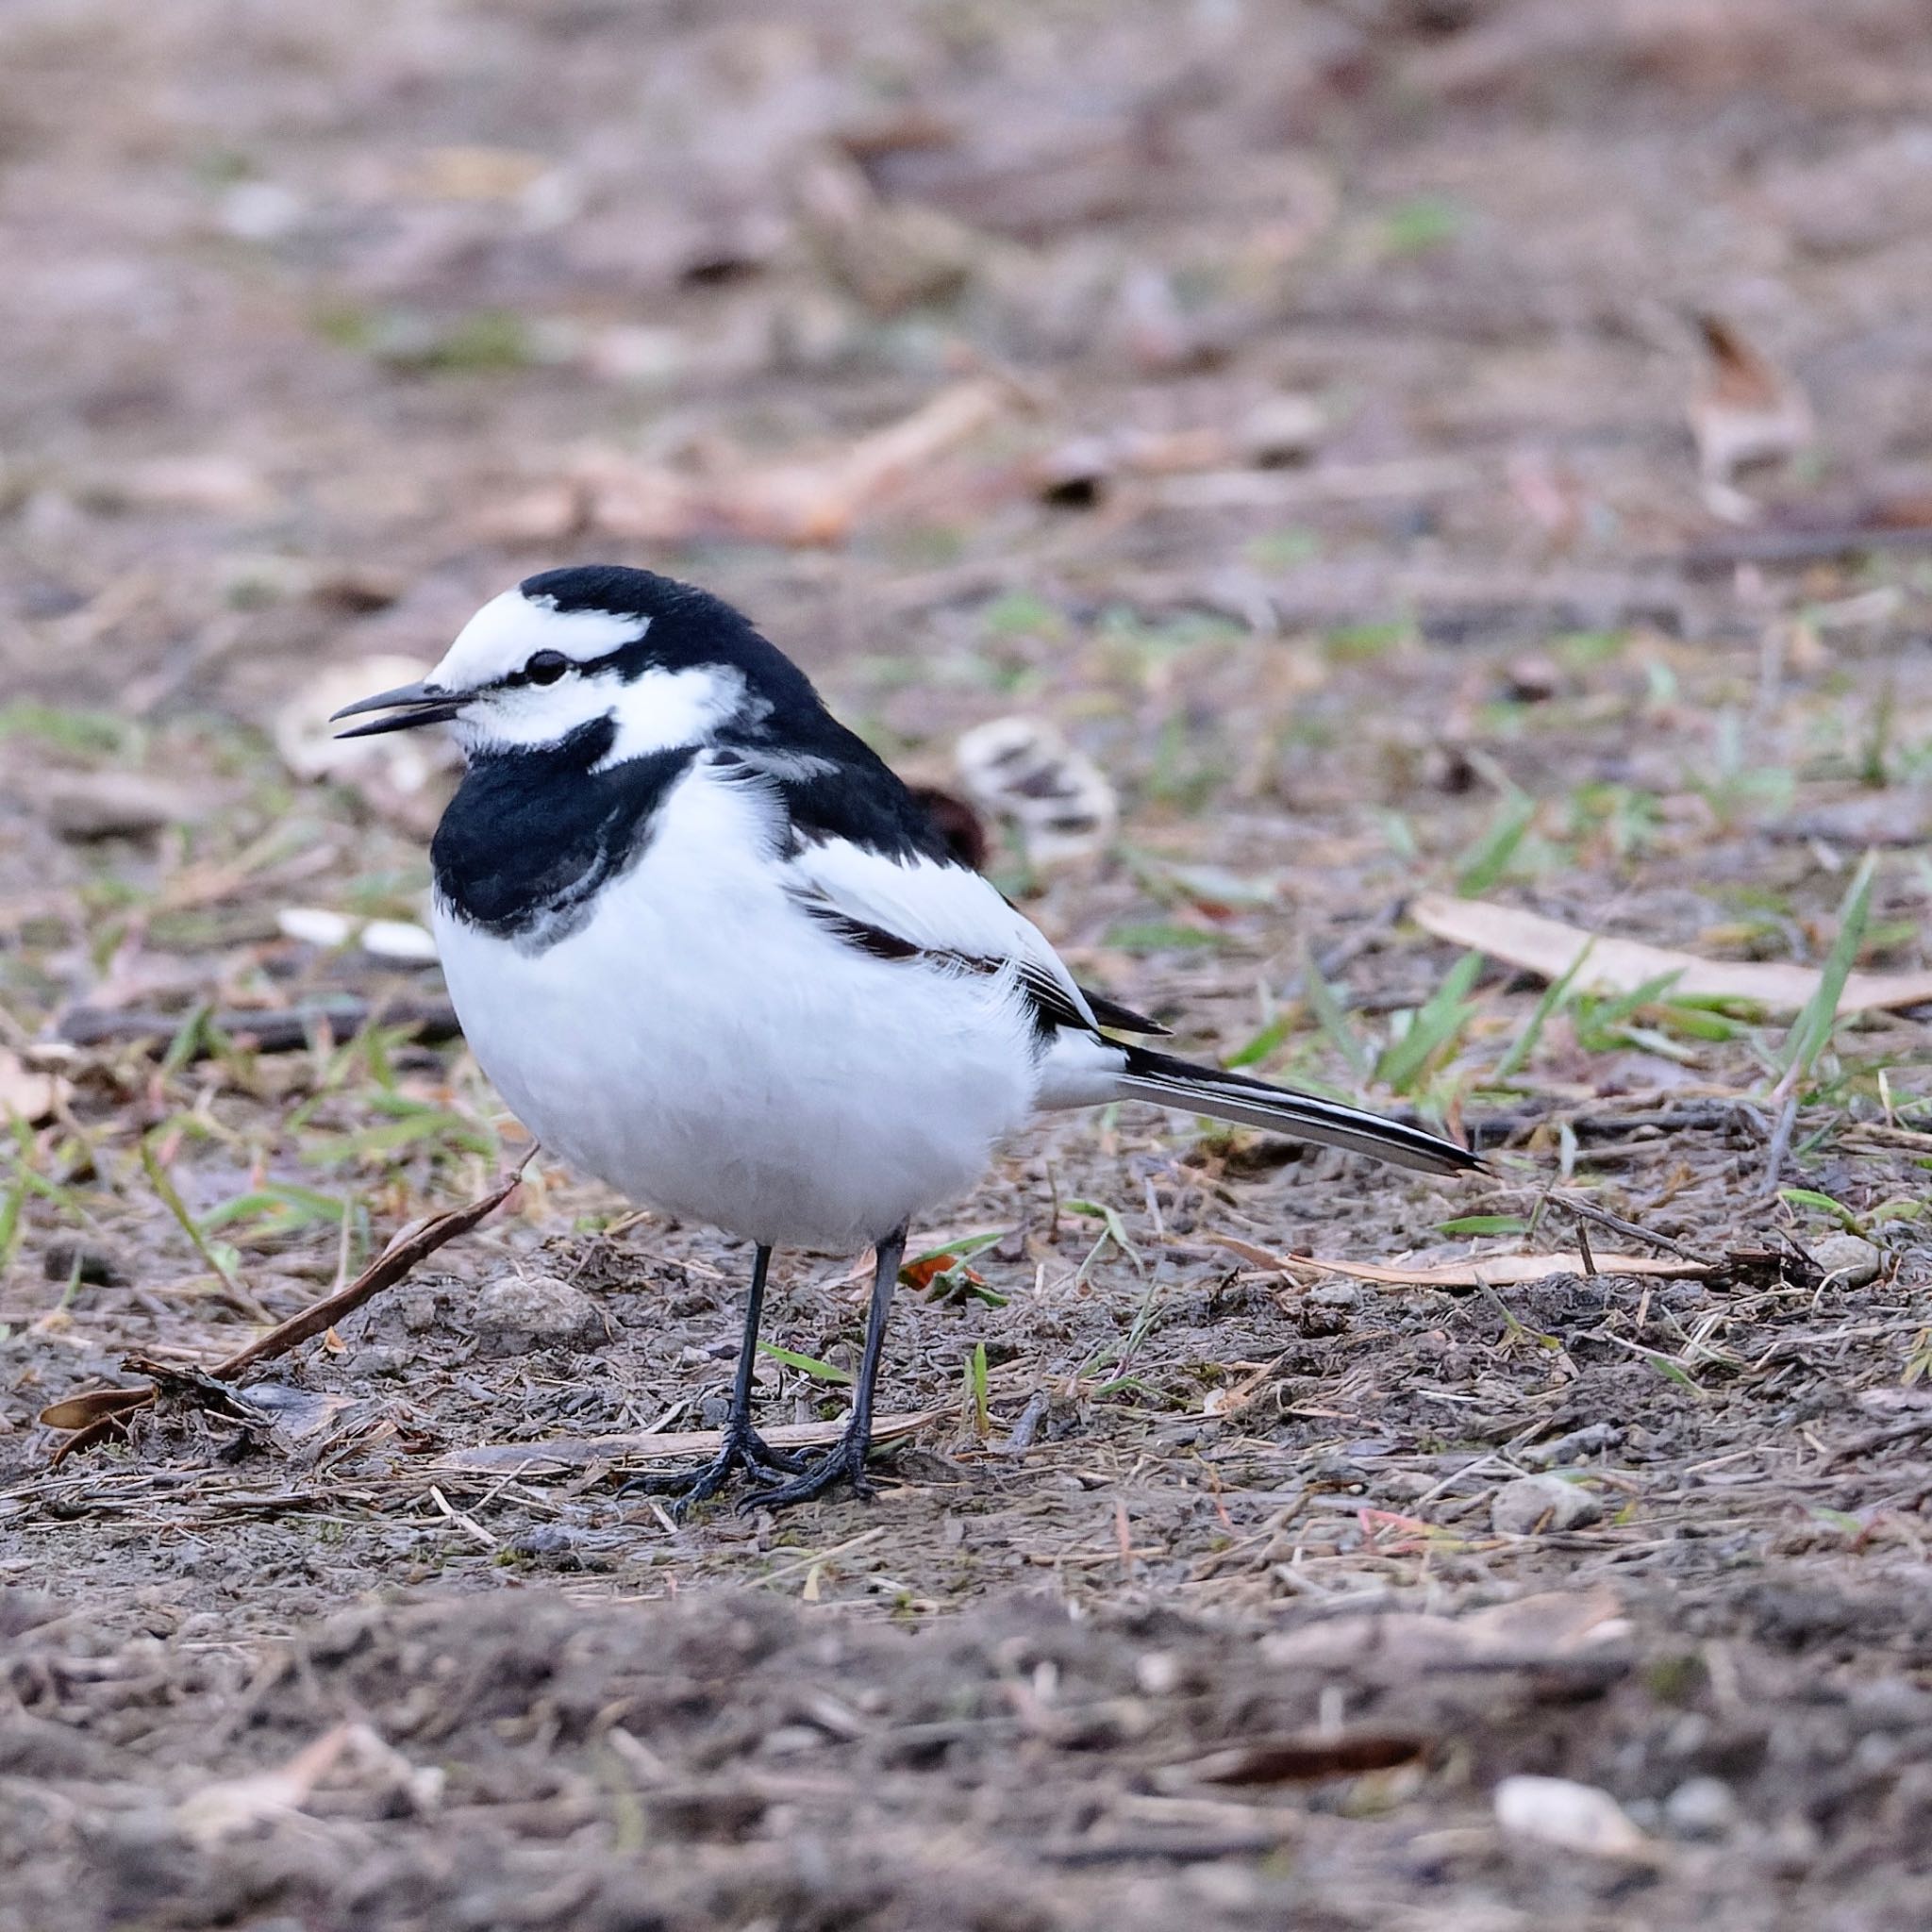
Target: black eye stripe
542, 667
546, 667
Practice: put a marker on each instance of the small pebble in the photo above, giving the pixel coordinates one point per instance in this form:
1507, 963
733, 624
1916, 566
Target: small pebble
1532, 679
1701, 1808
1534, 1503
523, 1311
1335, 1295
1573, 1817
71, 1262
1848, 1259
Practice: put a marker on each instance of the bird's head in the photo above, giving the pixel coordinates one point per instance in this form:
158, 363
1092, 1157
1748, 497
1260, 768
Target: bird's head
666, 664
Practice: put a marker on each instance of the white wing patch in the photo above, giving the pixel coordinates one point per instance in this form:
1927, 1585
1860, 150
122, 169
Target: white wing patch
937, 908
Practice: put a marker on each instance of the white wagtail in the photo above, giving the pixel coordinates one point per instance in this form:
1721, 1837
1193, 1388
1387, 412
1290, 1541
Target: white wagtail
711, 951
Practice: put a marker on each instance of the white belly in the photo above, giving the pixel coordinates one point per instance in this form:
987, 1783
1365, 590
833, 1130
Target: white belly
709, 1051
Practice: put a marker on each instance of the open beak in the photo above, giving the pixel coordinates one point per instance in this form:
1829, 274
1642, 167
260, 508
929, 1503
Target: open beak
408, 706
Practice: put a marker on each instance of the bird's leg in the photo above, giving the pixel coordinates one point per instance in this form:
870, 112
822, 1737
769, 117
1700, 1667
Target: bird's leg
846, 1460
745, 1448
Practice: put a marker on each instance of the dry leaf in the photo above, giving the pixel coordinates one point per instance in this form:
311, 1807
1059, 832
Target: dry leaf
403, 762
1748, 411
893, 256
382, 939
84, 805
1549, 1630
234, 1804
231, 1806
211, 485
94, 1404
25, 1093
803, 502
475, 174
1549, 948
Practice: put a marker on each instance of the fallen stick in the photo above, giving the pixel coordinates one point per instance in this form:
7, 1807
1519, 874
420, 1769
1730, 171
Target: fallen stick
395, 1261
97, 1414
579, 1452
285, 1030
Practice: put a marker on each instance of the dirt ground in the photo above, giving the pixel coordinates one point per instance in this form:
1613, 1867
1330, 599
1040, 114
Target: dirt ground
1292, 406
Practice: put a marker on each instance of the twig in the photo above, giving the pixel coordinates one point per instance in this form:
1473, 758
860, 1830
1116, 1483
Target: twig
1587, 1210
1729, 549
1879, 1439
1024, 1431
1583, 1249
580, 1451
102, 1413
388, 1268
285, 1030
1495, 1129
1780, 1144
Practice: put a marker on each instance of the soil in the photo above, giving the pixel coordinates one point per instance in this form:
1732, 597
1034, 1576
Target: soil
318, 330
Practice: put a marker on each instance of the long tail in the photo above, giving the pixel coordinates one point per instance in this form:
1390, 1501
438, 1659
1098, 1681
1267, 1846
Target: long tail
1250, 1103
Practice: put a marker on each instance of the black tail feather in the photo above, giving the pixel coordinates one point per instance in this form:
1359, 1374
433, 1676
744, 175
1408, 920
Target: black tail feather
1252, 1103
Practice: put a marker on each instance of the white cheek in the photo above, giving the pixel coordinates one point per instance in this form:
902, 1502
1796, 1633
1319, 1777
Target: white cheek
664, 709
534, 714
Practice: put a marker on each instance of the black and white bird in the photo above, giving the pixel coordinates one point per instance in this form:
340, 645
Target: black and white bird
714, 953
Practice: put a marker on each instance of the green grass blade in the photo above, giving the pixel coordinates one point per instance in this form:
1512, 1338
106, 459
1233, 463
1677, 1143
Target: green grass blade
1811, 1030
172, 1201
1488, 860
1438, 1023
804, 1364
1553, 995
1332, 1018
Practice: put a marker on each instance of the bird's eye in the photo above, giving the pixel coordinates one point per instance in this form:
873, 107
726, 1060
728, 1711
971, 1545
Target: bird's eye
546, 667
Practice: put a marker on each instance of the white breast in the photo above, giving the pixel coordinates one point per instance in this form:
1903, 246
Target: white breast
709, 1050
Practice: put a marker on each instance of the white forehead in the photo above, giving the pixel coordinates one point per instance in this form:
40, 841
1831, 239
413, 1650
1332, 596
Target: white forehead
501, 636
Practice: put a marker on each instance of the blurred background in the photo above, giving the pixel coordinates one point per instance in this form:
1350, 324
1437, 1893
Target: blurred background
1178, 375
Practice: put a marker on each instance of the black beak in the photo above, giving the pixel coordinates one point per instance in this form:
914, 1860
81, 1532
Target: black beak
410, 706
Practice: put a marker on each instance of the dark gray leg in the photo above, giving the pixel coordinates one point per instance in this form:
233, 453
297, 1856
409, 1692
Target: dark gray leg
743, 1447
846, 1460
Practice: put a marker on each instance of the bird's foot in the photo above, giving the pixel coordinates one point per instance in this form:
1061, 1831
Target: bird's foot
745, 1449
845, 1462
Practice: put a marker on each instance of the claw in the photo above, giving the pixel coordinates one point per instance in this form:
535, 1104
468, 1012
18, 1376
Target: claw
843, 1462
744, 1449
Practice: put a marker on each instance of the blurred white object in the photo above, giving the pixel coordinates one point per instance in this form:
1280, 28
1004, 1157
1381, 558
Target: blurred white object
261, 212
383, 939
1577, 1818
1747, 413
1023, 771
311, 749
